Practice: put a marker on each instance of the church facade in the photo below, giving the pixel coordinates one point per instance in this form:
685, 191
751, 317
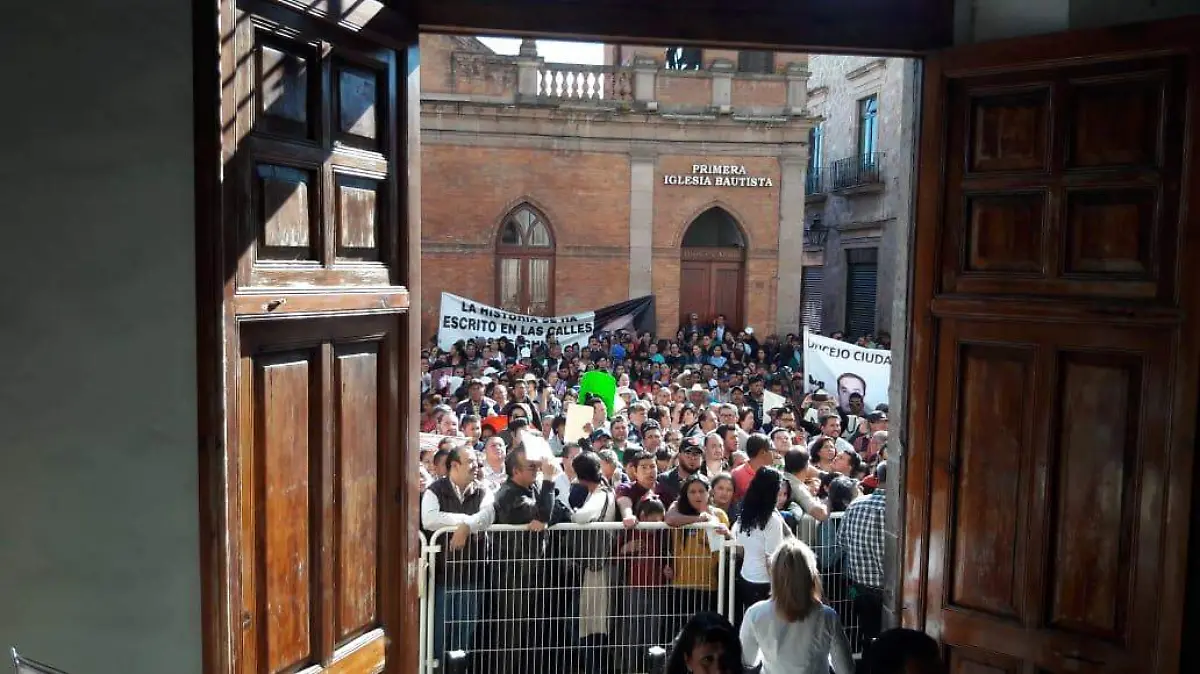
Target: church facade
553, 189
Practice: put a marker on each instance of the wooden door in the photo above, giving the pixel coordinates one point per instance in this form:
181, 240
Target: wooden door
727, 293
1053, 390
695, 286
314, 559
711, 282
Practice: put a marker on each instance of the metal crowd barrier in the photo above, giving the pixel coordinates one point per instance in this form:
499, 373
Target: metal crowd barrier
835, 583
573, 598
586, 599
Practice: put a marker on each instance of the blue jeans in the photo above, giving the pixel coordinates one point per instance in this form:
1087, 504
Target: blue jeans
455, 613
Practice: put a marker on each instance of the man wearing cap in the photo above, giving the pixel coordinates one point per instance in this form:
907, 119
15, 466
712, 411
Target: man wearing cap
693, 327
737, 396
476, 403
600, 440
754, 399
652, 436
722, 394
520, 396
627, 394
619, 429
698, 395
690, 459
876, 421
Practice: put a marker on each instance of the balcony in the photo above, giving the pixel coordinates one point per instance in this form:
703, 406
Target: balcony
642, 81
856, 173
583, 83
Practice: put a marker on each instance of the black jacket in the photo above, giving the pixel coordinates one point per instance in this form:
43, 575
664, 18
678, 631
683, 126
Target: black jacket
516, 505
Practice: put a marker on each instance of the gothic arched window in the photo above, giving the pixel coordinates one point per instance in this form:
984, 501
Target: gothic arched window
685, 58
525, 263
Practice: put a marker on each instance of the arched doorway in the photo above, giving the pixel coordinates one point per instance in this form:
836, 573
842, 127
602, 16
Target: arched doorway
713, 269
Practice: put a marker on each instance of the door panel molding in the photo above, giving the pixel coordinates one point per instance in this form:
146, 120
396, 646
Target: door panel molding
334, 280
1087, 301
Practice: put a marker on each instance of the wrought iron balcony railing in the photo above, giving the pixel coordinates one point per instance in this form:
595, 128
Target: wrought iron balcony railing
815, 235
864, 169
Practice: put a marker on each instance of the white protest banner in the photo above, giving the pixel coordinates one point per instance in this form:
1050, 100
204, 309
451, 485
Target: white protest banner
463, 319
842, 369
467, 319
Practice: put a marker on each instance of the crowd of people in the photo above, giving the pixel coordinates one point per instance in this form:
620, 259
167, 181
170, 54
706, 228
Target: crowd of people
691, 441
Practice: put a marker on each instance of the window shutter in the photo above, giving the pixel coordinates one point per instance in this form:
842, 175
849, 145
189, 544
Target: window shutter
756, 62
811, 282
861, 281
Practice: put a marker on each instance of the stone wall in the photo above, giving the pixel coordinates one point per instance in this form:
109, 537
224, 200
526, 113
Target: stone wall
872, 217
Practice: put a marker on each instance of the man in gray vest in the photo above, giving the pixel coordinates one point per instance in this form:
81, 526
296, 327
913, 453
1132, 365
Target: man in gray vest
457, 500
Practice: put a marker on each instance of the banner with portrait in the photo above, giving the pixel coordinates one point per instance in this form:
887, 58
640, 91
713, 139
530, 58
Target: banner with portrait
842, 369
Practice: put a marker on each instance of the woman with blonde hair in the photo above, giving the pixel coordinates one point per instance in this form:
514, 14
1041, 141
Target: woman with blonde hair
793, 632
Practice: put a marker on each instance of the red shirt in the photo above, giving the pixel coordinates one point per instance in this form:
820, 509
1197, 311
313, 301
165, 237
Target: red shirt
634, 492
742, 475
644, 568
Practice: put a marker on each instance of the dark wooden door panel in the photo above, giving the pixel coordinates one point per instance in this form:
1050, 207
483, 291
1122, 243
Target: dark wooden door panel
1052, 422
1068, 180
1055, 458
695, 290
312, 453
727, 292
973, 661
284, 422
986, 478
356, 387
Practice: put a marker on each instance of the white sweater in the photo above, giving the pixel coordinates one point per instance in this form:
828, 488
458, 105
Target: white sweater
808, 646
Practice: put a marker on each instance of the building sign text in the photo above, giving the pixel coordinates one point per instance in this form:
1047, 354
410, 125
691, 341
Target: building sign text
717, 175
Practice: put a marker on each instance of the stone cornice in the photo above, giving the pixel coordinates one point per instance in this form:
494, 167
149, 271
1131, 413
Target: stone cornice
445, 118
863, 71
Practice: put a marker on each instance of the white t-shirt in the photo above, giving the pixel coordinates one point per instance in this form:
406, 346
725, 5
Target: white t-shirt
758, 546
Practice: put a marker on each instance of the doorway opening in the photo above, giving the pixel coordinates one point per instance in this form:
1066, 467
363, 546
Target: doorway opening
981, 359
712, 269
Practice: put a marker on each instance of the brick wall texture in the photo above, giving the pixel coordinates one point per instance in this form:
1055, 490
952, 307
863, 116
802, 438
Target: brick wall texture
467, 191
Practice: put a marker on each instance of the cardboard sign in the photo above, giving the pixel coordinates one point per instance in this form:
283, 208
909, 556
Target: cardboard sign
578, 416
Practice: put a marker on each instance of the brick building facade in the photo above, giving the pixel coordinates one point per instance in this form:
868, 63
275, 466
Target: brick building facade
555, 188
